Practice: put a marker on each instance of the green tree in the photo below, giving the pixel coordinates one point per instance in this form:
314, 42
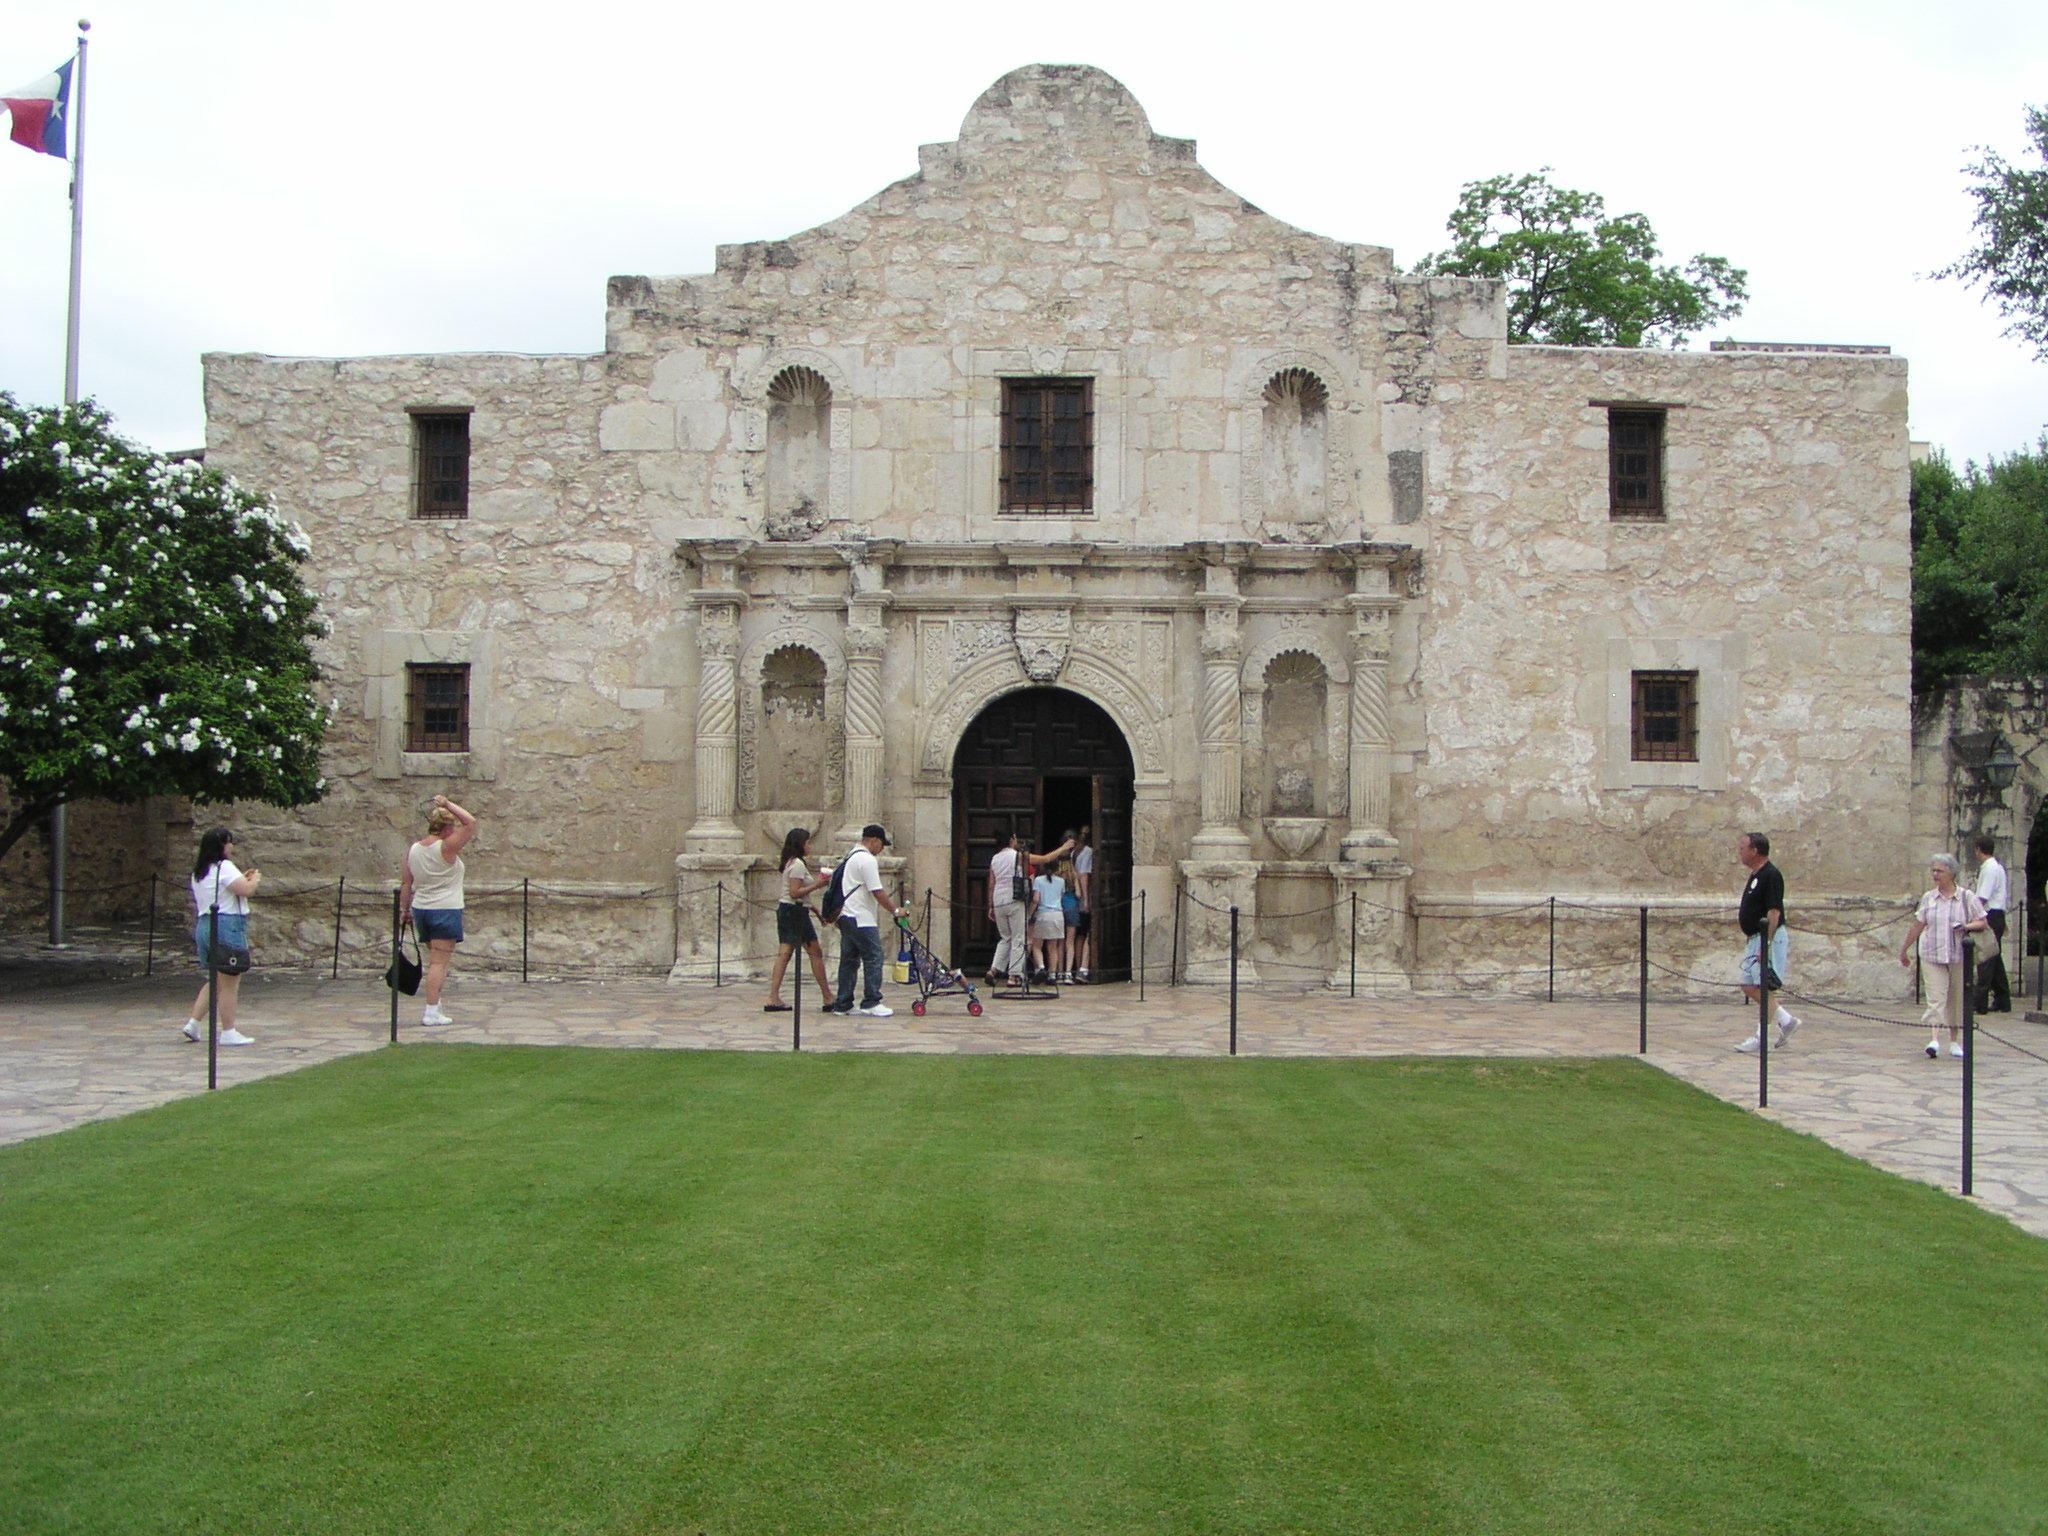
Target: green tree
2010, 261
1980, 567
1576, 277
155, 637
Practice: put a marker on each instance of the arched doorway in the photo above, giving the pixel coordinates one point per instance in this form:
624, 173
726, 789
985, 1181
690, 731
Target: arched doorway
1037, 762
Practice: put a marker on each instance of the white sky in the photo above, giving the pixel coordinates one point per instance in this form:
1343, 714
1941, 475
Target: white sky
320, 178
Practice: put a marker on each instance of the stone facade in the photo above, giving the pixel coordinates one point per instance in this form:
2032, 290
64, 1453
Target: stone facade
1348, 585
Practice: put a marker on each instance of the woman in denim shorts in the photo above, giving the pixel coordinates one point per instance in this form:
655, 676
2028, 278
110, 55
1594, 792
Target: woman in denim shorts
216, 881
793, 929
430, 893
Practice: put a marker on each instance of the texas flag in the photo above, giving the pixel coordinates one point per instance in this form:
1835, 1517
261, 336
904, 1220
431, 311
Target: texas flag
40, 110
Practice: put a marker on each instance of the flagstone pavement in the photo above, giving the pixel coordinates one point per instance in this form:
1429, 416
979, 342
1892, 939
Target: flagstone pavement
76, 1051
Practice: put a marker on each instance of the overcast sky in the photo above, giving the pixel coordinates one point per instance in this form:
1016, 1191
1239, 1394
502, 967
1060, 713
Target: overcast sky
329, 179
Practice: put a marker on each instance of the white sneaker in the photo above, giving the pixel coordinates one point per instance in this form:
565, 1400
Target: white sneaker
1748, 1046
1956, 1050
235, 1037
879, 1011
1934, 1048
434, 1015
193, 1030
1785, 1027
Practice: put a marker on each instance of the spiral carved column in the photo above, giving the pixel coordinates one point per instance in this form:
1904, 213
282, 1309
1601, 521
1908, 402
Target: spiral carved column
717, 729
1370, 736
1220, 732
863, 797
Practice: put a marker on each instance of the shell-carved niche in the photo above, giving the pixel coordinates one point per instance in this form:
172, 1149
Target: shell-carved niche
792, 723
1294, 434
799, 454
1294, 695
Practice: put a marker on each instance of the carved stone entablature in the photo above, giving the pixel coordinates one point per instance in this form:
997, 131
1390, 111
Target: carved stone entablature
1044, 637
784, 634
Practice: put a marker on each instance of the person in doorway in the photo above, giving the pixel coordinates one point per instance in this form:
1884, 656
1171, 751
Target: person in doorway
1762, 920
1084, 888
1944, 915
430, 896
860, 934
1048, 925
793, 928
1070, 914
1009, 905
216, 881
1994, 990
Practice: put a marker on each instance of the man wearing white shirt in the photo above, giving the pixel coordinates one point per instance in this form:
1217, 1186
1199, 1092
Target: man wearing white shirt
1994, 991
860, 935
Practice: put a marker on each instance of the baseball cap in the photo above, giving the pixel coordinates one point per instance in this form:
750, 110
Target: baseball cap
874, 829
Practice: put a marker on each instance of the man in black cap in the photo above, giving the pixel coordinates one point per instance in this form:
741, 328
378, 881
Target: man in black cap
860, 934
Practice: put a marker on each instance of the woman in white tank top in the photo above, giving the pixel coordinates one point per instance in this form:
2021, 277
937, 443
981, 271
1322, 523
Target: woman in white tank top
430, 895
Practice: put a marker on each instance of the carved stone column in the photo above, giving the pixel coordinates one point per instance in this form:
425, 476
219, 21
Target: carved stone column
1214, 886
1371, 738
867, 605
1380, 887
718, 649
1220, 727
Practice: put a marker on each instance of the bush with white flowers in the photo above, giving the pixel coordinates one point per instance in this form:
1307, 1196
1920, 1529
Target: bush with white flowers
155, 636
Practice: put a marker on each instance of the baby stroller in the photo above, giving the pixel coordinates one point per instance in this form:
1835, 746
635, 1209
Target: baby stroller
932, 976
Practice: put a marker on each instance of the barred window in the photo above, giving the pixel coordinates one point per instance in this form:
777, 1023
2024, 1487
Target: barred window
437, 708
440, 452
1664, 722
1048, 445
1635, 465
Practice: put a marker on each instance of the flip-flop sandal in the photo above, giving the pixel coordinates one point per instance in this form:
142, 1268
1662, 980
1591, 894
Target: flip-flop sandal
776, 1008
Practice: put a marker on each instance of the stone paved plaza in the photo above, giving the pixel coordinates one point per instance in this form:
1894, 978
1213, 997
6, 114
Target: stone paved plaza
87, 1050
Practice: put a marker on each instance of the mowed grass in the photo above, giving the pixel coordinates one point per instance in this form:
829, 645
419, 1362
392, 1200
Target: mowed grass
503, 1290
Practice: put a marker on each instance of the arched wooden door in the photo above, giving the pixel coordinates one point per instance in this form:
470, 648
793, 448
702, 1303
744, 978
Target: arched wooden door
1038, 762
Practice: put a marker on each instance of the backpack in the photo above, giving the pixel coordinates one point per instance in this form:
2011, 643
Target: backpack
835, 894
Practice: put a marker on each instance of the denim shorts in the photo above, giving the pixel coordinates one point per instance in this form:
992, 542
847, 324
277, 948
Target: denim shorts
437, 923
1781, 945
234, 934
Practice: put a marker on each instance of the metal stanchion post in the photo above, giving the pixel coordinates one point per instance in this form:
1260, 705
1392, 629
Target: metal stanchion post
149, 952
1550, 993
1642, 981
1969, 1054
395, 931
1233, 979
340, 890
718, 937
1141, 948
796, 1019
1354, 943
1763, 1025
1173, 956
213, 997
525, 926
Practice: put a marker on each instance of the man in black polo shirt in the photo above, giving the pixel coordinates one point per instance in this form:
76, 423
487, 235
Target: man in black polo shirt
1762, 917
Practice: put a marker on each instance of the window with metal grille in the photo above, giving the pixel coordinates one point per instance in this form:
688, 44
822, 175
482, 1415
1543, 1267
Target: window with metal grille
437, 708
1664, 725
1635, 465
1048, 445
440, 451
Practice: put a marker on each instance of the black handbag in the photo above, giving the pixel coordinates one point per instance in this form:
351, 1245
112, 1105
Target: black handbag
405, 971
228, 959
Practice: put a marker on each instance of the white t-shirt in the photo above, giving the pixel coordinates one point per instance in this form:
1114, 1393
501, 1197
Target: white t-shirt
1991, 885
1084, 864
862, 879
1002, 871
795, 871
202, 889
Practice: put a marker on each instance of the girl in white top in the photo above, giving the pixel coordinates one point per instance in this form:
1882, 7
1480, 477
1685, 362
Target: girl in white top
217, 879
793, 927
1048, 922
430, 895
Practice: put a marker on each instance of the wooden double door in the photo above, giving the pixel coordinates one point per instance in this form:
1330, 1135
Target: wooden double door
1039, 762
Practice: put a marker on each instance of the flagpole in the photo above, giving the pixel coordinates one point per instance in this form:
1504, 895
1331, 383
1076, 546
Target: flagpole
76, 128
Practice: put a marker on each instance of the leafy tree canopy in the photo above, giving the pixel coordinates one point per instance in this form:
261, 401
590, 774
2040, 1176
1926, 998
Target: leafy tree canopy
155, 637
1980, 568
2010, 262
1576, 277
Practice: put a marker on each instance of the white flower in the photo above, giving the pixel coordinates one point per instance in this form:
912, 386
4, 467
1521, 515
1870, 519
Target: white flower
99, 749
67, 674
249, 683
66, 694
189, 742
149, 748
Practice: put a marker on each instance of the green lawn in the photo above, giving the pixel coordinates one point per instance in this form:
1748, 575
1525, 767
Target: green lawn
496, 1290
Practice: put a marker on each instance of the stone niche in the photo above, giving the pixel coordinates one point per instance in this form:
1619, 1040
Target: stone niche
795, 728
